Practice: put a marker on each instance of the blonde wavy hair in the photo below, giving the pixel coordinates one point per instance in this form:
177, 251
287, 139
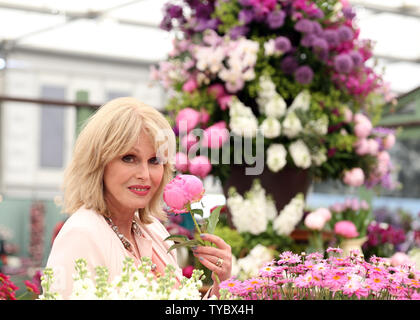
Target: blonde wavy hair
111, 132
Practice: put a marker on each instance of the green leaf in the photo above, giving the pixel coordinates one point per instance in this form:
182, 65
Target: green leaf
197, 211
213, 219
189, 243
177, 238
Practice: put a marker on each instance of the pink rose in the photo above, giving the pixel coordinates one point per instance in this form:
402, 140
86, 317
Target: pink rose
315, 221
363, 126
389, 141
200, 166
190, 85
187, 119
354, 177
224, 101
346, 229
181, 162
216, 90
362, 147
400, 258
216, 135
187, 271
181, 191
373, 147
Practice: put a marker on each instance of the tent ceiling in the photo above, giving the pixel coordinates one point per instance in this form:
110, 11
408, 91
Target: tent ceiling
128, 31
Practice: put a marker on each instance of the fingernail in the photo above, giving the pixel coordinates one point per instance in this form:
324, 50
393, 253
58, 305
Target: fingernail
201, 258
202, 235
194, 248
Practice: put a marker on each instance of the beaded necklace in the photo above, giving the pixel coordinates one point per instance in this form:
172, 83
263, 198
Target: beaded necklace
126, 243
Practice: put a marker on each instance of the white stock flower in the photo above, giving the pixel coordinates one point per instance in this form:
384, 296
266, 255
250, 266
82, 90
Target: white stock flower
289, 216
276, 157
269, 47
301, 102
275, 107
319, 157
271, 128
242, 120
318, 126
300, 154
257, 257
291, 125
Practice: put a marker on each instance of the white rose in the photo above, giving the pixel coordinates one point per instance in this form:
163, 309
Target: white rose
276, 157
291, 125
270, 127
302, 101
300, 154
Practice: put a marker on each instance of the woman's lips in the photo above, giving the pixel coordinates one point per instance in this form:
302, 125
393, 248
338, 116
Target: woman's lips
139, 190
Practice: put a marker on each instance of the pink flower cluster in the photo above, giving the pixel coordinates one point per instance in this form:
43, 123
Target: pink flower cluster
372, 142
313, 277
7, 288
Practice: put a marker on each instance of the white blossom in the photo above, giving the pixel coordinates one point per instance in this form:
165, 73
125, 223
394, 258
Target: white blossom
319, 157
318, 126
291, 125
275, 107
301, 102
300, 154
289, 216
271, 128
276, 157
242, 120
257, 257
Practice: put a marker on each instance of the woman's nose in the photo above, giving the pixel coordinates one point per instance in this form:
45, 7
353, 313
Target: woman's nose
142, 171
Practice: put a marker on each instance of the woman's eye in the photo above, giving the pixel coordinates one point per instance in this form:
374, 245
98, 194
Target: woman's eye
155, 160
128, 158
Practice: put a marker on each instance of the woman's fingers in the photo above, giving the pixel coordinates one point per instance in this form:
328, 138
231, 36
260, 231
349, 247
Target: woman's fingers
219, 242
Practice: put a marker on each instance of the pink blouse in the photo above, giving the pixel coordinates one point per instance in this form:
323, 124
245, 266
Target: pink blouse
87, 235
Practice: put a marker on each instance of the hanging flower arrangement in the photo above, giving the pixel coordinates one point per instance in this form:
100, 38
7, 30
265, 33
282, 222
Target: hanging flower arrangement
292, 71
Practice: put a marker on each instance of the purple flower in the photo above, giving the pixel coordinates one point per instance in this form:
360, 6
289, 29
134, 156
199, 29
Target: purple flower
289, 64
304, 25
343, 63
320, 48
246, 3
166, 23
345, 33
203, 11
238, 31
332, 37
275, 19
356, 57
307, 40
316, 14
348, 13
317, 28
174, 11
246, 16
304, 74
283, 44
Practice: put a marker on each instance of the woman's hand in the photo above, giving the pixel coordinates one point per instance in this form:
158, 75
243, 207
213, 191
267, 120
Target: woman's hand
218, 260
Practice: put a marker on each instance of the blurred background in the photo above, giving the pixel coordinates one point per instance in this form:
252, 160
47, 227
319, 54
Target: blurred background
60, 60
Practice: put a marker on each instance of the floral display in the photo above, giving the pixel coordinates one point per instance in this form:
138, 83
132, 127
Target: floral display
8, 288
295, 72
36, 246
135, 283
313, 277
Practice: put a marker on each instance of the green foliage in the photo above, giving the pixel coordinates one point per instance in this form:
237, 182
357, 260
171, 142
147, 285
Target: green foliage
231, 237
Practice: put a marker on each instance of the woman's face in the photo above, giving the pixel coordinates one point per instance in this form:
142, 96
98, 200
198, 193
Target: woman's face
131, 180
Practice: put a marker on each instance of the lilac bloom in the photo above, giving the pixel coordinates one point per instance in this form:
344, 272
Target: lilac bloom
283, 44
320, 48
345, 33
246, 16
343, 63
304, 25
332, 37
238, 31
307, 40
289, 64
356, 57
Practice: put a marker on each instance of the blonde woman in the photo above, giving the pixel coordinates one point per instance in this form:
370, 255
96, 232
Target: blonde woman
113, 190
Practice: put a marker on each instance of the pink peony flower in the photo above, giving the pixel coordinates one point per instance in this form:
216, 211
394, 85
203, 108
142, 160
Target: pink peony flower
216, 135
205, 116
181, 191
346, 229
348, 115
190, 85
315, 221
187, 119
324, 212
373, 147
200, 166
363, 126
362, 147
181, 162
187, 141
354, 177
